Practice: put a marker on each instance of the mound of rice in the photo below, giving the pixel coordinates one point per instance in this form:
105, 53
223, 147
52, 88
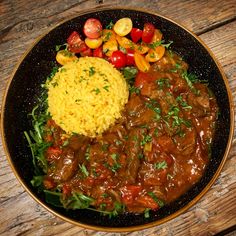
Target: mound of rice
86, 96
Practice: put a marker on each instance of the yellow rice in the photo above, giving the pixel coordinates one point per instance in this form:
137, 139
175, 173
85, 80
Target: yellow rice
86, 96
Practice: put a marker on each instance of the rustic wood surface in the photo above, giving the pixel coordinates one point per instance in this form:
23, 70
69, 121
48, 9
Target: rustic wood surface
22, 21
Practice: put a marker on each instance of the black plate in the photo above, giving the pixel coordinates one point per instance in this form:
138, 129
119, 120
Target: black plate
24, 88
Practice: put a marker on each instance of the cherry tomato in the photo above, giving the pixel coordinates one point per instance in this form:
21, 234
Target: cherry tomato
75, 43
155, 54
148, 32
64, 57
157, 36
108, 35
130, 57
98, 52
93, 43
124, 42
136, 34
140, 61
109, 47
123, 26
93, 28
118, 59
87, 53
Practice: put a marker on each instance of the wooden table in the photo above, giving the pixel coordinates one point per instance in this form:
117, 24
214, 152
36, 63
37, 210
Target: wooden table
22, 21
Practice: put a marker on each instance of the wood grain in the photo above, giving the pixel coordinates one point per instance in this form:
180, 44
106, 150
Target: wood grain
22, 21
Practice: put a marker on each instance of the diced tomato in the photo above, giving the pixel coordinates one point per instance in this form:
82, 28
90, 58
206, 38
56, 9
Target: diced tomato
98, 52
147, 202
53, 153
130, 57
142, 79
118, 59
89, 181
48, 138
87, 53
148, 32
102, 172
75, 43
93, 28
49, 183
129, 193
136, 34
66, 189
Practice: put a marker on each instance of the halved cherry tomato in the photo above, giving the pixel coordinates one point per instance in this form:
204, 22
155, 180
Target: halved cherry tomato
157, 36
87, 53
148, 32
140, 61
75, 43
141, 48
108, 35
118, 59
63, 57
93, 43
130, 57
136, 34
98, 52
109, 47
93, 28
123, 26
155, 54
124, 42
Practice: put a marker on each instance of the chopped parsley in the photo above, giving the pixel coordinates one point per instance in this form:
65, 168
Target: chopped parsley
160, 165
91, 71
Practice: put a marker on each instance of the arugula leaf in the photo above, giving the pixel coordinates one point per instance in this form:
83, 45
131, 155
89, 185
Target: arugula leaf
37, 181
155, 198
129, 73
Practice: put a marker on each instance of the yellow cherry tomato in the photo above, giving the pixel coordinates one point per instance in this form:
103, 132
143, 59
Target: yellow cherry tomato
155, 54
109, 47
157, 36
123, 26
93, 43
140, 61
125, 42
141, 48
64, 56
108, 35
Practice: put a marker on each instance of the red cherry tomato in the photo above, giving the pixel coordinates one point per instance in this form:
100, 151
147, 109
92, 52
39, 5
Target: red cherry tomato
118, 59
136, 34
87, 52
130, 57
75, 43
98, 52
93, 28
148, 32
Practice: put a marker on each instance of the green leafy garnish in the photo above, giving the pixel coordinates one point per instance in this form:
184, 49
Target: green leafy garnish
155, 198
160, 165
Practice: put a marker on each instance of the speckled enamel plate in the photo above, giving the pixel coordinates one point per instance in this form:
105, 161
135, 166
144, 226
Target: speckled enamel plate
24, 88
